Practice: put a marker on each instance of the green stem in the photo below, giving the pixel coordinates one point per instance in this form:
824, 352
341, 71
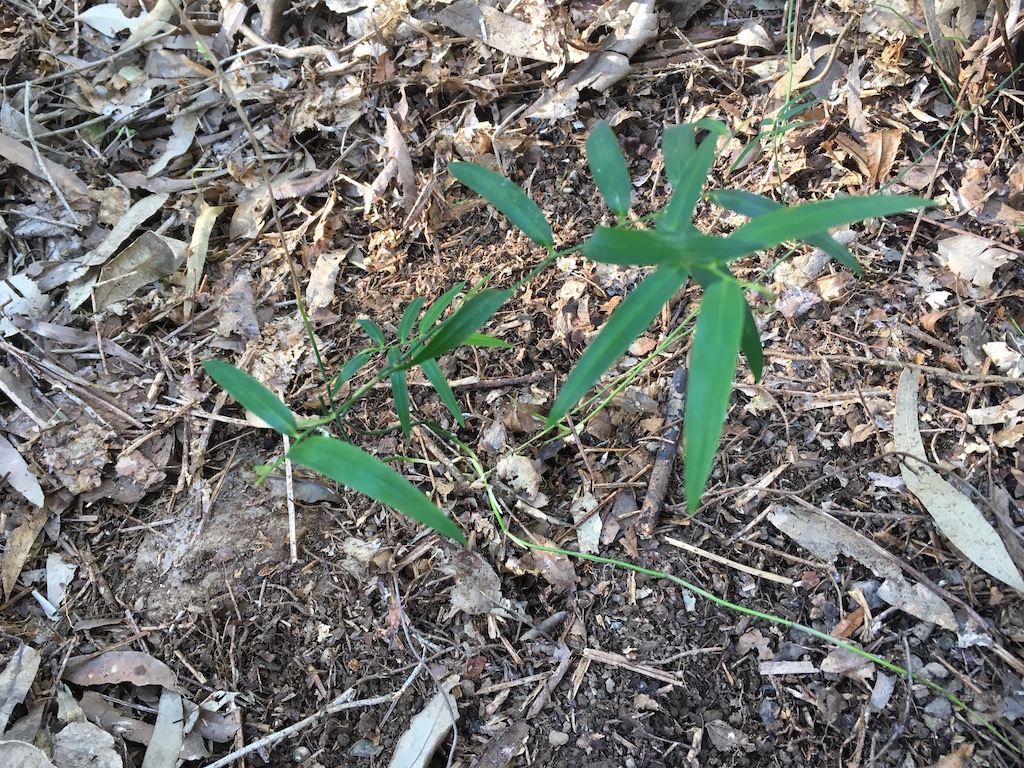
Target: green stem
778, 620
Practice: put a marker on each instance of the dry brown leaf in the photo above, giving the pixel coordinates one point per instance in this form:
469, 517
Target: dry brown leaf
553, 567
150, 258
119, 667
15, 681
826, 537
954, 514
973, 258
19, 545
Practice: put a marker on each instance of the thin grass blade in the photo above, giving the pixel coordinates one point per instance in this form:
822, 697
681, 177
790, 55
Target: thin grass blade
507, 198
631, 318
608, 167
486, 340
253, 396
436, 377
712, 367
358, 470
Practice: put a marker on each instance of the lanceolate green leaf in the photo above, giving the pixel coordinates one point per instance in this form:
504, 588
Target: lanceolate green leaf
253, 396
435, 310
400, 392
716, 344
409, 317
463, 323
486, 340
678, 143
349, 370
639, 247
361, 472
750, 204
372, 330
507, 198
803, 221
436, 377
692, 175
608, 167
631, 318
750, 343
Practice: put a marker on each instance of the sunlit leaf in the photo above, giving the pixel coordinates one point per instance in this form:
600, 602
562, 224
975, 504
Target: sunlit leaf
716, 344
409, 317
631, 318
253, 396
436, 377
507, 198
750, 204
400, 392
608, 167
463, 323
361, 472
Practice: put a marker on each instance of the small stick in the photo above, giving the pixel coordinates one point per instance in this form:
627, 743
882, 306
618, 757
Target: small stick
651, 508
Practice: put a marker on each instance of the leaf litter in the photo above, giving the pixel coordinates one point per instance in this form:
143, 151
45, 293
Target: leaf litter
137, 230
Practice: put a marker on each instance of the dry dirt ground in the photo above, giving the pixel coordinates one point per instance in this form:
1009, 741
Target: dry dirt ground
153, 538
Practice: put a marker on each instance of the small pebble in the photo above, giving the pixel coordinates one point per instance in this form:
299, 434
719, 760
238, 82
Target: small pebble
558, 739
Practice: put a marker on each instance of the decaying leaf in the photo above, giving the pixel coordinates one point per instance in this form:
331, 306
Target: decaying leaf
427, 729
17, 473
19, 545
477, 588
18, 754
150, 258
20, 297
827, 537
84, 745
119, 667
553, 567
16, 680
958, 519
973, 258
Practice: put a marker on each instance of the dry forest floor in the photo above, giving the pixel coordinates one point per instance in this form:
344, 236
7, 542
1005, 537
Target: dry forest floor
152, 607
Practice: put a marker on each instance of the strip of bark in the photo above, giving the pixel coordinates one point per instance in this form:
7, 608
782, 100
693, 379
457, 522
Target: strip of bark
662, 471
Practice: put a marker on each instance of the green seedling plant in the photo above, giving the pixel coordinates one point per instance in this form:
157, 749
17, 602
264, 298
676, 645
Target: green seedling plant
674, 247
669, 243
